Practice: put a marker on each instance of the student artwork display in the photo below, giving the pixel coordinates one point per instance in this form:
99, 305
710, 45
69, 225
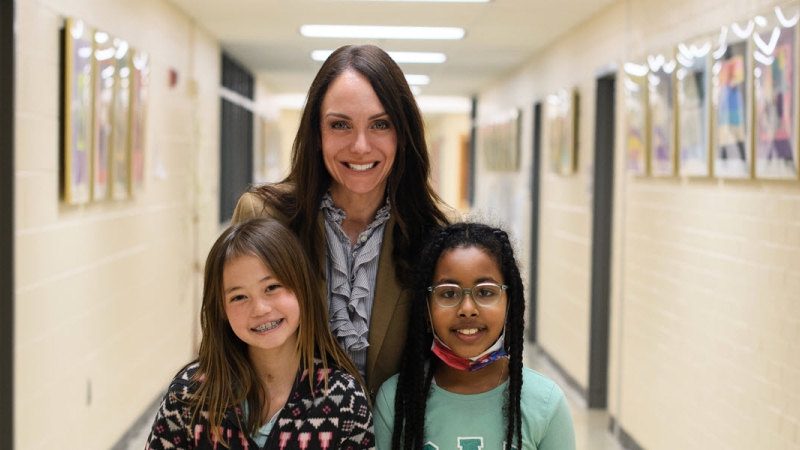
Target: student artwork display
662, 115
105, 98
120, 162
775, 93
140, 80
735, 100
561, 131
105, 77
692, 82
500, 139
635, 85
730, 129
78, 97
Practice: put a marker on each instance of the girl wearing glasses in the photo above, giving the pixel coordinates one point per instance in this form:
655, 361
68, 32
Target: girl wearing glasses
462, 384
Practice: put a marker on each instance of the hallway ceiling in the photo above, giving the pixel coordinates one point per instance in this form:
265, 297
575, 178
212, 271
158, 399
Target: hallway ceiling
500, 35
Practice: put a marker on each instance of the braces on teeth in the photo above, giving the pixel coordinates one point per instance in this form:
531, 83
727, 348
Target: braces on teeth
267, 326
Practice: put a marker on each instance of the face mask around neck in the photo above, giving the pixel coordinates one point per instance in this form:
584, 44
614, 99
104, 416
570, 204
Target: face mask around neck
448, 356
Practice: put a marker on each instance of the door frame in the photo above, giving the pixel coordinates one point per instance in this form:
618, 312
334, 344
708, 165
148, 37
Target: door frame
7, 48
602, 222
533, 276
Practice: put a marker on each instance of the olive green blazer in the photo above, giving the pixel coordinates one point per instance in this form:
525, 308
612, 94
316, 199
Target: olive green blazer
391, 307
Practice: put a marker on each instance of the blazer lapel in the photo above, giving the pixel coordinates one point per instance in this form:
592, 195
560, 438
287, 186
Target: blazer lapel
387, 294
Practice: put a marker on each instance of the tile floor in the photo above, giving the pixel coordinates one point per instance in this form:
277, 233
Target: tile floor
591, 426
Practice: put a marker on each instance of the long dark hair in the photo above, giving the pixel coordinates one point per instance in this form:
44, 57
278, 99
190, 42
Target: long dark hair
414, 202
414, 383
226, 377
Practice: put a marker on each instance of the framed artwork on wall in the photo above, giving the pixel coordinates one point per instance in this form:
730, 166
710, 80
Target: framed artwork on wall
561, 119
120, 134
731, 94
78, 95
140, 81
693, 104
662, 114
774, 44
104, 79
635, 88
500, 139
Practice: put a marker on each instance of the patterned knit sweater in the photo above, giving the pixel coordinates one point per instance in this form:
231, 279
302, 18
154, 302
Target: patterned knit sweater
308, 421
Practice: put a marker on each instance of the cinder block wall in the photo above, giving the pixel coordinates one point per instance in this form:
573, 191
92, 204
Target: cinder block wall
107, 293
705, 278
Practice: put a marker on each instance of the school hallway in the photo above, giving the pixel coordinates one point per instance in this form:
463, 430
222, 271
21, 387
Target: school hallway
661, 270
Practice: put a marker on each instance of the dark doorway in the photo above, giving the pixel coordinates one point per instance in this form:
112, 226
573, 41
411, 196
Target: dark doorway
473, 135
601, 241
236, 136
7, 45
533, 276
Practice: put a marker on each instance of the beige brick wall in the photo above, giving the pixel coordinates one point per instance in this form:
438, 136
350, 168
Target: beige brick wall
705, 278
106, 293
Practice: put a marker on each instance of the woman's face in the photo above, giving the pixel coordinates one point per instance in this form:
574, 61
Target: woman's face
359, 141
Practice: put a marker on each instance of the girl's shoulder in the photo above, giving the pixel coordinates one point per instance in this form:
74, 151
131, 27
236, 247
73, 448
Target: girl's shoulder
186, 380
540, 389
338, 380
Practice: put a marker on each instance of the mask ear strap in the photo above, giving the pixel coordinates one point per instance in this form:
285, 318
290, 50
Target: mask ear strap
430, 322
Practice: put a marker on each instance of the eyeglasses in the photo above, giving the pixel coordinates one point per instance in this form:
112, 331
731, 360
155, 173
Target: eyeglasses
483, 294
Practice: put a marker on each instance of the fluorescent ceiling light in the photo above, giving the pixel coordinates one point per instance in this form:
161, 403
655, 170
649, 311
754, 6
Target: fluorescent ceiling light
436, 1
418, 80
398, 57
380, 32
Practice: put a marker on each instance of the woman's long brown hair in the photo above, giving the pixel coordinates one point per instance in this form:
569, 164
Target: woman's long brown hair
226, 376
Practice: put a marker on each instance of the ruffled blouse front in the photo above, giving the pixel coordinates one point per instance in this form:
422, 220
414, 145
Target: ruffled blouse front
352, 272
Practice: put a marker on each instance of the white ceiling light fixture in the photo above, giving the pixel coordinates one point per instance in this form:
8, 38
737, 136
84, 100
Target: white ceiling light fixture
418, 80
436, 1
381, 32
398, 57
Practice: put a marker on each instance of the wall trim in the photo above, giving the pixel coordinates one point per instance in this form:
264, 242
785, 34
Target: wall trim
145, 418
572, 382
625, 440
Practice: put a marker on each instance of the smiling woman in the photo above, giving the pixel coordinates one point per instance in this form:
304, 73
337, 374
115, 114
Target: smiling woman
358, 196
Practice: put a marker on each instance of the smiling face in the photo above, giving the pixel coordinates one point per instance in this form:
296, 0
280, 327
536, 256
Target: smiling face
468, 329
359, 141
261, 311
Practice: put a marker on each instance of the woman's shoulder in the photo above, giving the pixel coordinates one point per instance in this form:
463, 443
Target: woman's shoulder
263, 201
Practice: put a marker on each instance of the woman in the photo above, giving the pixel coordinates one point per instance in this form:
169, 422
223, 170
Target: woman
359, 199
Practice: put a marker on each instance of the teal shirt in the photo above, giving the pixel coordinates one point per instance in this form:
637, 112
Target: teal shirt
475, 422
